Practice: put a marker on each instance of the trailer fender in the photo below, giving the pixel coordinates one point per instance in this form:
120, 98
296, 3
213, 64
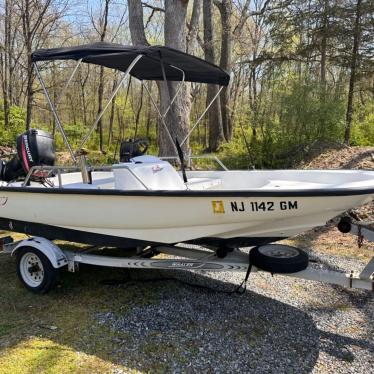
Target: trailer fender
54, 254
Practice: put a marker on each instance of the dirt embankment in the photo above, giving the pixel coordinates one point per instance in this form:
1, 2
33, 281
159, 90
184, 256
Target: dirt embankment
343, 157
328, 239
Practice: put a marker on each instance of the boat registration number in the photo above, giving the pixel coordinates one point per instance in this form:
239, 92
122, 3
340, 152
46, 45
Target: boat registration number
254, 206
263, 206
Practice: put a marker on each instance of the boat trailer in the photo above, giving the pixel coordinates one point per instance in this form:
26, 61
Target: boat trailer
39, 260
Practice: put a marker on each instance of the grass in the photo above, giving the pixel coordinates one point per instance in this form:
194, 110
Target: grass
58, 332
43, 355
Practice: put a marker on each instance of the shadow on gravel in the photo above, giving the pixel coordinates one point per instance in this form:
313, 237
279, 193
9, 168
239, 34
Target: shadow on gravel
343, 346
339, 346
210, 331
158, 325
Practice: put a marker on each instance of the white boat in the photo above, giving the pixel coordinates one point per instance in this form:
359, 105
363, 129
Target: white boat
145, 201
224, 208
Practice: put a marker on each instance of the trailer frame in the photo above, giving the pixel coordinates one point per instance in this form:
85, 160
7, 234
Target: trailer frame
196, 259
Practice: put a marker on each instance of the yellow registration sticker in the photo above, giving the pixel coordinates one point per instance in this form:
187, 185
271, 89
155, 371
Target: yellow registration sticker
218, 207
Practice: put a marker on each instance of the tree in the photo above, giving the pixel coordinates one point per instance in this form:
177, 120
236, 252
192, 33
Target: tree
216, 135
303, 73
177, 119
39, 19
353, 67
225, 8
193, 26
101, 29
136, 23
324, 38
6, 61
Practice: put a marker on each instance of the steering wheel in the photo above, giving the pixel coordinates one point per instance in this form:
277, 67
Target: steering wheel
142, 146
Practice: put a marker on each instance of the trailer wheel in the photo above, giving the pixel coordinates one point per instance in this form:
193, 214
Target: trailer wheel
277, 258
35, 270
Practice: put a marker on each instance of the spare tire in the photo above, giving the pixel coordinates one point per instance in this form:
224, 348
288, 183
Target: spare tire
279, 258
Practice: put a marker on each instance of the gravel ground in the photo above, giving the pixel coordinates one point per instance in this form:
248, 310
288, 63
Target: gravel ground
280, 325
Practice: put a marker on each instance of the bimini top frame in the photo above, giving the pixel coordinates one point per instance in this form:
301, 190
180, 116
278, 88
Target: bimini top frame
143, 63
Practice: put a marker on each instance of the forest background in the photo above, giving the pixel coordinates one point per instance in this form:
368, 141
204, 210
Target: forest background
302, 75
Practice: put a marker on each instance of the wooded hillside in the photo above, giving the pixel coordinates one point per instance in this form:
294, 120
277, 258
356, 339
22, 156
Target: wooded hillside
303, 74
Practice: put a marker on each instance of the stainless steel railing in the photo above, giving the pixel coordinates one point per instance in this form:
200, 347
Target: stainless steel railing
189, 158
59, 169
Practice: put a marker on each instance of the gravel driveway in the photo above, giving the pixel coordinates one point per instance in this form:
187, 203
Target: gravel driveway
280, 325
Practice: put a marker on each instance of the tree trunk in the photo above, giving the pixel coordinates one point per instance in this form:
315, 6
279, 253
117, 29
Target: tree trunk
82, 84
29, 88
236, 93
111, 118
253, 102
5, 89
30, 75
324, 45
7, 61
34, 21
54, 96
216, 136
149, 111
352, 80
177, 119
138, 112
100, 94
101, 79
225, 8
136, 23
193, 28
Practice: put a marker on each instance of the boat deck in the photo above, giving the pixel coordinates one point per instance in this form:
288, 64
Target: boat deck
253, 180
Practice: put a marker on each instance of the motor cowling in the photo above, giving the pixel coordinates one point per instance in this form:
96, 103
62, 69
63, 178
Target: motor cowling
34, 148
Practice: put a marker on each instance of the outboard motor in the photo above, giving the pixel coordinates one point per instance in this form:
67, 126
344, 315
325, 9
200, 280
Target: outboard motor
34, 148
132, 148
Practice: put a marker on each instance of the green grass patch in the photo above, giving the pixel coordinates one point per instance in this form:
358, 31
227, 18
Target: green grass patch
42, 355
58, 332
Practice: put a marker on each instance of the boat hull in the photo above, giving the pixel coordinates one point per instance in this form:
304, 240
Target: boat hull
133, 218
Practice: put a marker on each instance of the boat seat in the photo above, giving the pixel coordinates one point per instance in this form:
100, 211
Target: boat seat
153, 175
203, 183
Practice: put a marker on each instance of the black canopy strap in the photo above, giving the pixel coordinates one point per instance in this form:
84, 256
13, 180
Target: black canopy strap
181, 159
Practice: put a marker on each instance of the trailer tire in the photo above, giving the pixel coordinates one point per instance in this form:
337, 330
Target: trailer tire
35, 271
281, 259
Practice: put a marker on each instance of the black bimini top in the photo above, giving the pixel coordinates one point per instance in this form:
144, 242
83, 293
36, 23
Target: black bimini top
149, 67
